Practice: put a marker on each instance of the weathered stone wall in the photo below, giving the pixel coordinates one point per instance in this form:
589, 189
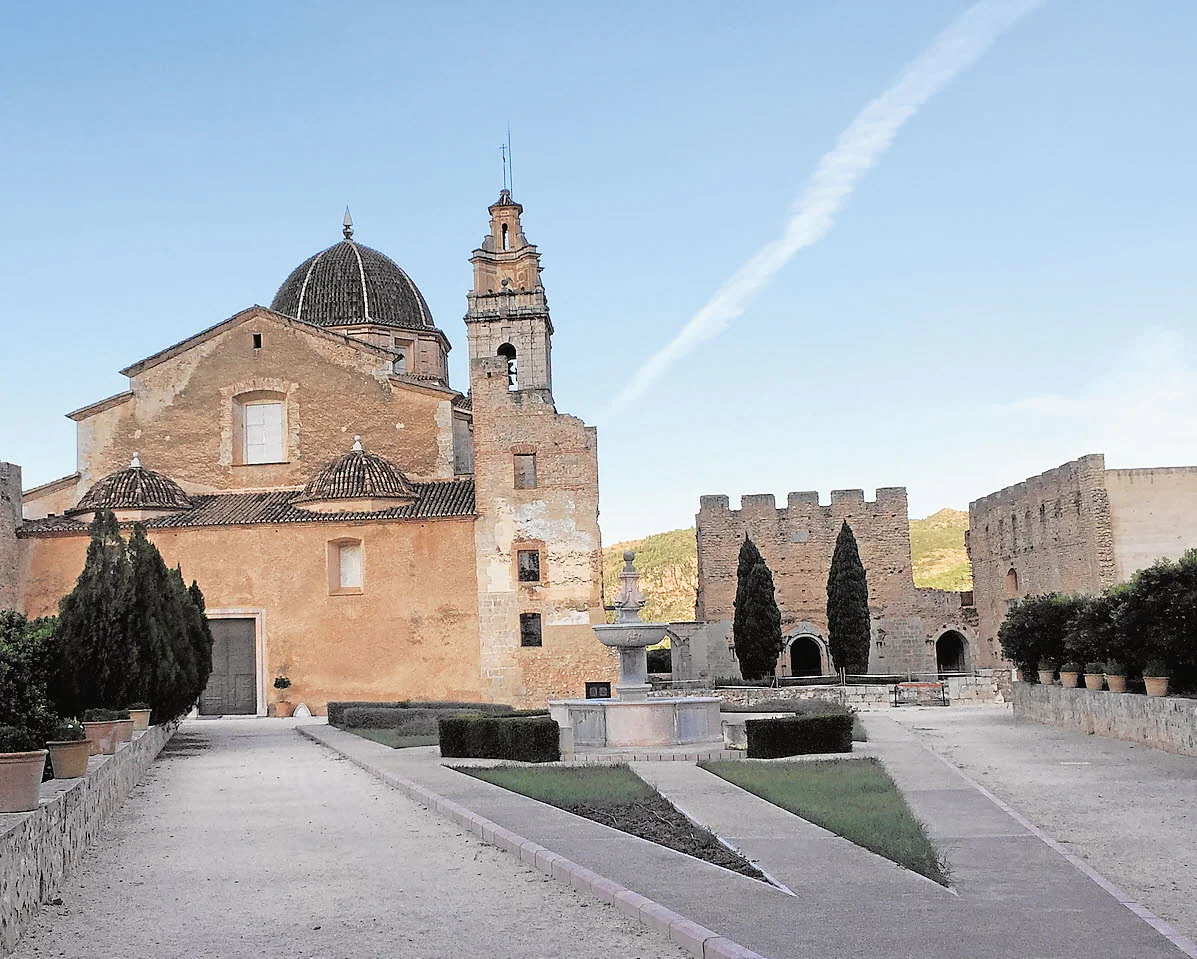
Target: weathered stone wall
179, 412
1053, 530
39, 849
1168, 723
10, 519
411, 633
1154, 515
700, 651
797, 542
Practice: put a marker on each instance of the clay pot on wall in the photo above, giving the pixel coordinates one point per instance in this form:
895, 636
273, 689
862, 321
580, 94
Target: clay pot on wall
1047, 677
69, 758
141, 719
124, 731
21, 780
1117, 684
1156, 685
1068, 678
101, 736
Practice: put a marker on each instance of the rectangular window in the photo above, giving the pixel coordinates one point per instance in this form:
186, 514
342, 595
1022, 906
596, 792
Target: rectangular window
530, 634
525, 471
350, 565
402, 363
264, 433
529, 564
257, 341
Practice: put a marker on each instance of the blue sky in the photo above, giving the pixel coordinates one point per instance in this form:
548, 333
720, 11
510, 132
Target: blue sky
1012, 286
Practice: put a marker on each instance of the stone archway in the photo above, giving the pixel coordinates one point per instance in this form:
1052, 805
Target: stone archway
951, 652
806, 656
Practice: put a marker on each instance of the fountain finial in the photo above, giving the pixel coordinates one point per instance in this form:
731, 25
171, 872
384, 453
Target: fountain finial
630, 600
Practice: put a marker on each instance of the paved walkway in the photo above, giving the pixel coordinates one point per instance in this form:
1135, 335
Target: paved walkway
249, 840
1129, 811
1016, 895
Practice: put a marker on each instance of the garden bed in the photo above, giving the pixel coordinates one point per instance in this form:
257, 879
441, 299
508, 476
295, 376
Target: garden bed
395, 738
617, 797
853, 798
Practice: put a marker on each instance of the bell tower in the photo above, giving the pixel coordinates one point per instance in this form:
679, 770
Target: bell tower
507, 314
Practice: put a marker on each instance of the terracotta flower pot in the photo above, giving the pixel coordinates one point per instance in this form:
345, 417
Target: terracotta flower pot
124, 731
1046, 677
1156, 685
284, 709
1068, 680
69, 757
141, 719
21, 780
1094, 680
102, 737
1117, 684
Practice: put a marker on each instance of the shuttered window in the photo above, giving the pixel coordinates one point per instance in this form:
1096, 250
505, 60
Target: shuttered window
351, 565
264, 433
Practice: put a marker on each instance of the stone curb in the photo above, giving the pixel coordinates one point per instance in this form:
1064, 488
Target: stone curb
697, 940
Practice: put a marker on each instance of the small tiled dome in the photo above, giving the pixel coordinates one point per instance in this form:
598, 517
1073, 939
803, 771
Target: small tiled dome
358, 476
133, 488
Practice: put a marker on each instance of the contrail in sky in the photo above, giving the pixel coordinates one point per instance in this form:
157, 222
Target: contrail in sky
856, 151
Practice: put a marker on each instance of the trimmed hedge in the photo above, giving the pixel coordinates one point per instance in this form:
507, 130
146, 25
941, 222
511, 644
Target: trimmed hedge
798, 736
528, 739
336, 710
799, 707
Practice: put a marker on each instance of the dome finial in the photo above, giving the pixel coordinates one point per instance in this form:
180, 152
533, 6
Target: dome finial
135, 463
347, 225
357, 445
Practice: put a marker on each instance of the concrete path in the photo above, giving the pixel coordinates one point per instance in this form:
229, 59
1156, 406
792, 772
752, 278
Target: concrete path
249, 840
1033, 903
1129, 811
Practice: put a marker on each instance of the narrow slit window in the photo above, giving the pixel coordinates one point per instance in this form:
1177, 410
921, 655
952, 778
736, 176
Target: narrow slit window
529, 565
530, 630
525, 471
257, 341
505, 241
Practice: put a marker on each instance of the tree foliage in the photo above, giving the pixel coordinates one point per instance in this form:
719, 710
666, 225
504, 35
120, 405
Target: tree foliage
756, 627
1157, 619
26, 664
1035, 630
848, 606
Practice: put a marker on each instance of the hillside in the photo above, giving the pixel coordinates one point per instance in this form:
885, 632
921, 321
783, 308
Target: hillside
668, 564
937, 550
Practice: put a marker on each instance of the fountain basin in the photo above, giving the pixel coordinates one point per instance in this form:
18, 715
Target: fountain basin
630, 635
668, 721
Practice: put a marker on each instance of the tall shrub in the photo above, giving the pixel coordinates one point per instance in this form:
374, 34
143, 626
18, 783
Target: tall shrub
96, 658
848, 606
26, 665
1157, 619
1036, 628
1092, 635
756, 630
201, 639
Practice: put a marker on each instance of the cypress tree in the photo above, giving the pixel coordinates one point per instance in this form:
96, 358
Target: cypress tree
756, 626
749, 557
848, 606
96, 660
201, 639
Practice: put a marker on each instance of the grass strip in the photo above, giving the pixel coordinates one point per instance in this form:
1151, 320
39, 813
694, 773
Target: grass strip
853, 798
395, 738
616, 797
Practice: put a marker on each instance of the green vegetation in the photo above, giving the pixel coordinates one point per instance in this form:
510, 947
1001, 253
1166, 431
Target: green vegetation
617, 797
853, 798
848, 636
526, 739
668, 565
395, 738
756, 624
798, 735
939, 558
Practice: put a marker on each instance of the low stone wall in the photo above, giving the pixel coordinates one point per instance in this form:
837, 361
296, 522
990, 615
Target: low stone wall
1164, 723
39, 849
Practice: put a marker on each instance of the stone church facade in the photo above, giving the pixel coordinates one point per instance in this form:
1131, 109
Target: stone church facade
913, 630
356, 523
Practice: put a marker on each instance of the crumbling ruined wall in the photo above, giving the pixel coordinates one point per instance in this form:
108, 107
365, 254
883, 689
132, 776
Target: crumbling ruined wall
10, 519
797, 543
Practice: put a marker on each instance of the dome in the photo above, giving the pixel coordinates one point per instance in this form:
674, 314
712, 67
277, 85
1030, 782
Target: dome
357, 481
133, 488
348, 284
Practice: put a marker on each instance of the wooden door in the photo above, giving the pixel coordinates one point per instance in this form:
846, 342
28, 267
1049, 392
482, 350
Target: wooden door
233, 686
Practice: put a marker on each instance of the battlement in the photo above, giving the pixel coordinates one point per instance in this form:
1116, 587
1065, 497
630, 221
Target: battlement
1085, 471
806, 502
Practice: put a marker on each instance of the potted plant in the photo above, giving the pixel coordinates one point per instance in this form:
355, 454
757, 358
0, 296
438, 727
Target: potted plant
1116, 677
1068, 674
99, 725
1155, 677
1095, 675
140, 714
21, 768
1047, 672
283, 707
69, 750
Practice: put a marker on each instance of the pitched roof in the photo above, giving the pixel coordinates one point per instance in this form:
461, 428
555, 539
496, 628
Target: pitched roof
437, 499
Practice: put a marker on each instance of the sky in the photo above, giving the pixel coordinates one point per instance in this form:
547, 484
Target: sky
1009, 286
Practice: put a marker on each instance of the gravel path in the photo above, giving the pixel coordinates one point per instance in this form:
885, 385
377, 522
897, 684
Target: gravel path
1130, 811
247, 840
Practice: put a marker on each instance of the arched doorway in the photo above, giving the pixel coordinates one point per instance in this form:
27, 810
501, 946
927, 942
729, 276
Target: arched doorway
806, 657
951, 653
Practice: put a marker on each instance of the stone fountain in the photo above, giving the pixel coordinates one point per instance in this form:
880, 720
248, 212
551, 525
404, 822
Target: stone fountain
631, 718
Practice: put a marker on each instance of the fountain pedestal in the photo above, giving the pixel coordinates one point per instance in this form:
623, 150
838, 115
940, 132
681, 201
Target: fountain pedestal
632, 718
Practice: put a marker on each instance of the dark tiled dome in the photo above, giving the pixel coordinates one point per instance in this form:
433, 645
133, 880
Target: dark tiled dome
133, 488
349, 283
358, 475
